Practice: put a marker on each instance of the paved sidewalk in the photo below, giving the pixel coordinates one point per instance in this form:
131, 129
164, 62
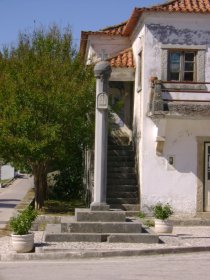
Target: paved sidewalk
11, 196
182, 240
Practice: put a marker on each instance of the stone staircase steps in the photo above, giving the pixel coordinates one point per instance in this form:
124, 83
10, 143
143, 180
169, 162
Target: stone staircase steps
121, 163
123, 194
101, 227
128, 158
121, 169
122, 188
121, 152
75, 237
105, 237
114, 147
133, 238
126, 207
121, 181
121, 200
85, 215
94, 229
122, 175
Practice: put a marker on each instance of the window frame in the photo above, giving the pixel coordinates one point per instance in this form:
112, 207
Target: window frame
182, 62
139, 72
200, 66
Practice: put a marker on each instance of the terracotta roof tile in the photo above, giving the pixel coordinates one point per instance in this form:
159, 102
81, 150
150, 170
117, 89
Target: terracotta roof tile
123, 60
126, 28
193, 6
183, 6
110, 31
115, 29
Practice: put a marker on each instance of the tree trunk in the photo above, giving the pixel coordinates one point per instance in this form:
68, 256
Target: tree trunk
40, 183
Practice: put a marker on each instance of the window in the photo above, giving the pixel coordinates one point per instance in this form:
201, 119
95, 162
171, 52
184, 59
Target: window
182, 65
139, 72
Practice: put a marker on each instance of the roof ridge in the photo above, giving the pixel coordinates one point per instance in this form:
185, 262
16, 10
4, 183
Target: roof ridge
113, 26
173, 6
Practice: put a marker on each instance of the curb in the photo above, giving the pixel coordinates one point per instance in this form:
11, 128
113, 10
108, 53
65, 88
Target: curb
80, 254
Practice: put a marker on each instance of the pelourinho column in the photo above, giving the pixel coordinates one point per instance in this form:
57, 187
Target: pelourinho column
102, 71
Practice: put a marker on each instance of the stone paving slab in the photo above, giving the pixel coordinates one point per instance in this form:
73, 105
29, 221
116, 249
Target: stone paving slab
182, 240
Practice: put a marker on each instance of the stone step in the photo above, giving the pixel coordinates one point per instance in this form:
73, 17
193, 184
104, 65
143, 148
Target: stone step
122, 201
121, 153
203, 215
98, 237
75, 237
113, 175
125, 207
122, 188
85, 215
118, 140
120, 163
121, 170
132, 213
101, 227
112, 147
121, 194
133, 238
121, 181
183, 221
128, 158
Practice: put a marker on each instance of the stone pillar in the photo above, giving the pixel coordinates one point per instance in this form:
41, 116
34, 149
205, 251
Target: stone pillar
102, 73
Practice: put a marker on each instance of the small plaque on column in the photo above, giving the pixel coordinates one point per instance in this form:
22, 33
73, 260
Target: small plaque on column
102, 101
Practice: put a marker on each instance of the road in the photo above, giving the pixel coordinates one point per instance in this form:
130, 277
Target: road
184, 266
11, 196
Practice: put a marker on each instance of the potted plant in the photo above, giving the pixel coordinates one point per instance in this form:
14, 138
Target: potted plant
161, 213
22, 239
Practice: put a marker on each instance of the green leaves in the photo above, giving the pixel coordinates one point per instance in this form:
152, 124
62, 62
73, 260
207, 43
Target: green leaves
162, 211
46, 94
21, 224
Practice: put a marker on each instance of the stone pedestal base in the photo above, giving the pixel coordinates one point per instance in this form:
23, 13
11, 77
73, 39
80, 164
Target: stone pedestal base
97, 206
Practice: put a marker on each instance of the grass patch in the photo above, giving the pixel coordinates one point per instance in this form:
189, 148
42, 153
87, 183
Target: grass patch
149, 223
61, 207
28, 198
146, 222
141, 215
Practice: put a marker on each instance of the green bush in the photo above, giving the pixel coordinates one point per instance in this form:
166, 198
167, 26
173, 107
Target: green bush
162, 211
21, 224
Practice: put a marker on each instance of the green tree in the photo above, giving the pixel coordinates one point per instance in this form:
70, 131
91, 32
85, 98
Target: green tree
46, 94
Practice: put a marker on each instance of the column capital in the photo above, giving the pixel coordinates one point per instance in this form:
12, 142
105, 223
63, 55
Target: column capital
102, 70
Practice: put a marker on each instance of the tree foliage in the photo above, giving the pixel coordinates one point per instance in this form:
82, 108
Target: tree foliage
46, 94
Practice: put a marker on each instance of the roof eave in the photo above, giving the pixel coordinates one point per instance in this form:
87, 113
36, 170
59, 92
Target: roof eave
83, 43
131, 22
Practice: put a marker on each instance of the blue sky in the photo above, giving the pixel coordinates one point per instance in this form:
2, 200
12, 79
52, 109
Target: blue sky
24, 15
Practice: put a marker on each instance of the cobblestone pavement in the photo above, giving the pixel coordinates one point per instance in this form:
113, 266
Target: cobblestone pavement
181, 237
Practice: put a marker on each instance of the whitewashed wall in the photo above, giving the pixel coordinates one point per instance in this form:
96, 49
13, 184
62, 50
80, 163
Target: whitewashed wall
157, 183
104, 44
7, 172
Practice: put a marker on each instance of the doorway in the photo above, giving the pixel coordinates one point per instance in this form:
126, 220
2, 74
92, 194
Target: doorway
207, 177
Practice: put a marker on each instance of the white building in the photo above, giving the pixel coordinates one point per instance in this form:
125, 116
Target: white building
160, 62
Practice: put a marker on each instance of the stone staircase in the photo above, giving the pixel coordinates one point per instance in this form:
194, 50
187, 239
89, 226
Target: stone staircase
99, 226
122, 186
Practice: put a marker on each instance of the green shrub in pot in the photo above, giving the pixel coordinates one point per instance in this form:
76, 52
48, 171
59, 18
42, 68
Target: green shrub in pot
21, 224
162, 211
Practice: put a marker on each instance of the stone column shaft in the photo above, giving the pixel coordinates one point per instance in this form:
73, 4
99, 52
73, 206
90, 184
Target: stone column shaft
102, 72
